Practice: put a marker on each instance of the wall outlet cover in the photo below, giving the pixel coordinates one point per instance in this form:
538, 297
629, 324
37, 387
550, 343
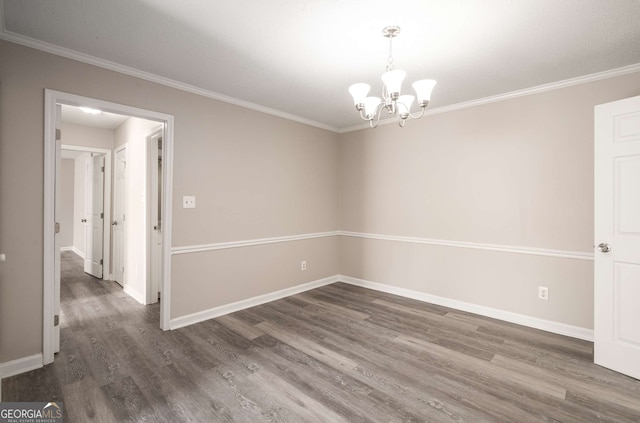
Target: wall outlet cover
188, 202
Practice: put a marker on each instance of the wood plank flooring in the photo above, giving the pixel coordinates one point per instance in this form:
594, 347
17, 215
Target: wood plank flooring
335, 354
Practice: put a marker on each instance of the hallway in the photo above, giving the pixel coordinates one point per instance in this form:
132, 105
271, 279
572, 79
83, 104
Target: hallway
92, 312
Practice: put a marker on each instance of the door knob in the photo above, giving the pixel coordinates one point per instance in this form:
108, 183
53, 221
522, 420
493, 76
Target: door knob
605, 248
114, 223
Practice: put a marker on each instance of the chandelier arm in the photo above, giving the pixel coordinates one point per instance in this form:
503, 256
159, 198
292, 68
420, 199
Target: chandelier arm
378, 115
412, 116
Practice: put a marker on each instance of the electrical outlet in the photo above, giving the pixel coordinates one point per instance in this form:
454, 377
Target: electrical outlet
188, 202
303, 265
543, 293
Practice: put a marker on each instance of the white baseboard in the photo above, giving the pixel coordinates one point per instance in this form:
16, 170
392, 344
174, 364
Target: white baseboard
74, 249
134, 294
19, 365
214, 312
507, 316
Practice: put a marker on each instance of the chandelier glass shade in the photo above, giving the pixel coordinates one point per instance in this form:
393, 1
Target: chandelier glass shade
370, 108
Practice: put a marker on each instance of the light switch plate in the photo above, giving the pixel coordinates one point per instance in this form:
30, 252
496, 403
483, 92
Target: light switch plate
188, 202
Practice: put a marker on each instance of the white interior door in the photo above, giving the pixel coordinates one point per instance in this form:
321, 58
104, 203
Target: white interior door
119, 215
617, 236
155, 214
57, 214
94, 211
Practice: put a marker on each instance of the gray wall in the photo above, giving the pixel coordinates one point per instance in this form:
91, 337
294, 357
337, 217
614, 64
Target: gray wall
85, 136
514, 173
254, 176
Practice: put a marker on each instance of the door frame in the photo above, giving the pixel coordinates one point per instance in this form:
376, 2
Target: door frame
51, 98
119, 150
106, 226
152, 169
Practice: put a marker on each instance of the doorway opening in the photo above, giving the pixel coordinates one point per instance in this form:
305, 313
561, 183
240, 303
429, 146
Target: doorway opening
85, 209
145, 249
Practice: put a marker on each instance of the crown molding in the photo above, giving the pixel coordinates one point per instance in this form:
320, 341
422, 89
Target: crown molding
585, 79
147, 76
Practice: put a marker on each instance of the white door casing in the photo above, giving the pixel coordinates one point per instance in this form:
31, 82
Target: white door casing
154, 167
57, 213
51, 99
94, 214
119, 215
617, 229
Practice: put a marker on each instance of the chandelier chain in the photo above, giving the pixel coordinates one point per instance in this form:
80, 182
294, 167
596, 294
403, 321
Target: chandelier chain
390, 65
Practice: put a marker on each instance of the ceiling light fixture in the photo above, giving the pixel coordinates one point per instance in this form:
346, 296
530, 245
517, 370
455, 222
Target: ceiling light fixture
90, 111
370, 108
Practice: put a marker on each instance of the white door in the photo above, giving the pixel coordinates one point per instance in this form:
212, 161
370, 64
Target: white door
119, 215
56, 242
617, 236
155, 212
94, 212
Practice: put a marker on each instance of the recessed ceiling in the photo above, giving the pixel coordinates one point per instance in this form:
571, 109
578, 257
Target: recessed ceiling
104, 120
300, 56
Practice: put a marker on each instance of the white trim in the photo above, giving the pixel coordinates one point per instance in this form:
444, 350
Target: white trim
20, 365
53, 97
48, 258
81, 255
67, 248
147, 76
106, 222
136, 295
577, 255
585, 79
148, 171
121, 148
214, 312
167, 213
249, 242
507, 316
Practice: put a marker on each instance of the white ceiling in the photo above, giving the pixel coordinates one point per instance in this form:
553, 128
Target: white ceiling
298, 57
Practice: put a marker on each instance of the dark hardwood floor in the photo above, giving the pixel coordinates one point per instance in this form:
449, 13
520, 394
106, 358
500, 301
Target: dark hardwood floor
335, 354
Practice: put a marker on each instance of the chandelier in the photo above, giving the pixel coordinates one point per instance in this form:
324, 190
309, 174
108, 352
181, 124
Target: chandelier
370, 108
